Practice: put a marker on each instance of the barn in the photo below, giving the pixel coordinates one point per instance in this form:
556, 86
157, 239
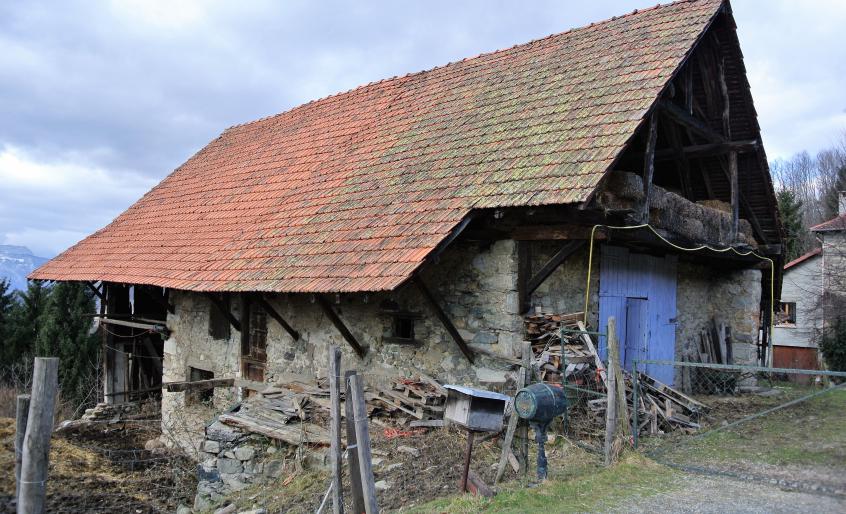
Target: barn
615, 169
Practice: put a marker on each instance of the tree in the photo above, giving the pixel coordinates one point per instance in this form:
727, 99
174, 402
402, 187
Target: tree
7, 303
25, 322
833, 346
790, 209
832, 194
66, 333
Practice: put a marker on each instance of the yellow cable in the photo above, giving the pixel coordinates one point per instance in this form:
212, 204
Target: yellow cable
695, 249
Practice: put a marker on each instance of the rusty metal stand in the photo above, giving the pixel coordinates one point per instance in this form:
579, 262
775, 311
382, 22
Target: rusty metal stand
467, 454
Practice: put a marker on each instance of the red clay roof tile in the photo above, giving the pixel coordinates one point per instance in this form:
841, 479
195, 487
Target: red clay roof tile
353, 191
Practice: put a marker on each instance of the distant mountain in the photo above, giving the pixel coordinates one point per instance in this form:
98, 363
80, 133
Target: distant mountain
16, 262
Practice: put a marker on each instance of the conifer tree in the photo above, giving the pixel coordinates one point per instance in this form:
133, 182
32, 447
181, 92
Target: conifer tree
25, 322
66, 333
790, 210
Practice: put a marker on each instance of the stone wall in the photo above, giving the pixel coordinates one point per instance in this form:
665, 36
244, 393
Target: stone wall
564, 290
732, 297
475, 285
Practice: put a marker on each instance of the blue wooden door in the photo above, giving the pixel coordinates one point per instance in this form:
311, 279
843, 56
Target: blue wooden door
640, 292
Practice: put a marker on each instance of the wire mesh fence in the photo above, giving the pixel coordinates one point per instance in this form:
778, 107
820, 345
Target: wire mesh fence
773, 425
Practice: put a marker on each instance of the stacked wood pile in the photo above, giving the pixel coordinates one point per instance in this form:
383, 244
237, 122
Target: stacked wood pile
420, 397
661, 408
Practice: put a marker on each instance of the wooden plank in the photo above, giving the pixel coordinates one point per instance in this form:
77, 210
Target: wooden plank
600, 367
39, 428
154, 327
649, 165
526, 354
21, 416
441, 315
339, 324
362, 435
524, 274
198, 385
335, 429
352, 448
278, 317
427, 423
294, 434
735, 196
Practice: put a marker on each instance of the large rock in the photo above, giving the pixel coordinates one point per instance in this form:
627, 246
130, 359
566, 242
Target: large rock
243, 453
220, 432
229, 466
211, 446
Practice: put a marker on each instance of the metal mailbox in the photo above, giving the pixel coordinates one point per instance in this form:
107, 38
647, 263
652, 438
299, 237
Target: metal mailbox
476, 410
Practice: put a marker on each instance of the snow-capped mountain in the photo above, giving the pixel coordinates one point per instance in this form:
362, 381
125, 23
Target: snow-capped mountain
16, 262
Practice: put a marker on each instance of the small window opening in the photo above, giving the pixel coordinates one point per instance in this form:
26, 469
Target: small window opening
786, 314
404, 328
198, 396
218, 322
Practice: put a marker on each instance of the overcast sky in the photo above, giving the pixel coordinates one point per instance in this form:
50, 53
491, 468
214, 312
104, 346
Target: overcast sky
101, 100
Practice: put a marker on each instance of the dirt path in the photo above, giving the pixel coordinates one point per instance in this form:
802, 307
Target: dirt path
701, 494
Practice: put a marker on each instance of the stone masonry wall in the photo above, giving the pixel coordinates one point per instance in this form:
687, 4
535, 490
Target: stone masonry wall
564, 290
475, 285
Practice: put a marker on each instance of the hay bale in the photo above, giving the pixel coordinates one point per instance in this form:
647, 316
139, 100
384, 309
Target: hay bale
718, 205
625, 185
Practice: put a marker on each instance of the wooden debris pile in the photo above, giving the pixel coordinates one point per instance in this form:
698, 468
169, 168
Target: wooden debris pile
420, 397
661, 408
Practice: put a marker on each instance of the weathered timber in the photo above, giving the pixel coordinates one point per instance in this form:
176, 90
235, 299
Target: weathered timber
21, 416
524, 274
352, 447
153, 327
551, 265
513, 419
39, 428
278, 317
362, 435
224, 310
735, 196
706, 150
678, 115
339, 324
552, 232
95, 290
335, 429
649, 165
442, 316
198, 385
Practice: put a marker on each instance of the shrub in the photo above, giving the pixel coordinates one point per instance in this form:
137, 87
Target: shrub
833, 346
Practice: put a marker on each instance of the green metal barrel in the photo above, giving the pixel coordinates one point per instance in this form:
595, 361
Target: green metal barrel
540, 403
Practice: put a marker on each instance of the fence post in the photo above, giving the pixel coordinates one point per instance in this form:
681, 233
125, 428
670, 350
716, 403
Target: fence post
635, 404
21, 415
335, 428
611, 390
36, 447
362, 436
352, 448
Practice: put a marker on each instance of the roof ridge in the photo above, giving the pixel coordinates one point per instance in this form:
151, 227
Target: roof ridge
364, 87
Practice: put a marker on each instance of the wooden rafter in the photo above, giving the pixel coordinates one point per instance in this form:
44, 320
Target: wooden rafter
360, 350
649, 165
551, 265
278, 317
695, 125
441, 315
225, 311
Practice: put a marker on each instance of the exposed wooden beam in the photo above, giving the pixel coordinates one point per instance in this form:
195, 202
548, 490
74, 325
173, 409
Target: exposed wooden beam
649, 165
96, 291
339, 324
152, 327
198, 385
553, 232
682, 162
441, 315
524, 273
551, 265
678, 115
224, 310
705, 150
735, 196
158, 299
275, 315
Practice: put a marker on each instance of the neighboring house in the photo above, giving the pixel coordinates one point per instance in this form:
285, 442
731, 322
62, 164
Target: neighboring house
413, 221
798, 317
832, 236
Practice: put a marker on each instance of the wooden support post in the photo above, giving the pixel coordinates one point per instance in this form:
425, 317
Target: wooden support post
335, 428
278, 317
352, 448
21, 415
735, 196
514, 418
524, 426
339, 324
36, 446
611, 401
524, 273
441, 315
649, 165
468, 453
362, 436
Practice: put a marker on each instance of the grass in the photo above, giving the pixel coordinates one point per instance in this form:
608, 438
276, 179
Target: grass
593, 489
810, 433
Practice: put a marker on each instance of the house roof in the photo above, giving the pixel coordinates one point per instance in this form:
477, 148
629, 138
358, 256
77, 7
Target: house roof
832, 225
803, 258
352, 192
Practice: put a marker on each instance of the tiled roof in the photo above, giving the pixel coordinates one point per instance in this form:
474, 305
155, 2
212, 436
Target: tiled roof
352, 192
803, 258
838, 223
